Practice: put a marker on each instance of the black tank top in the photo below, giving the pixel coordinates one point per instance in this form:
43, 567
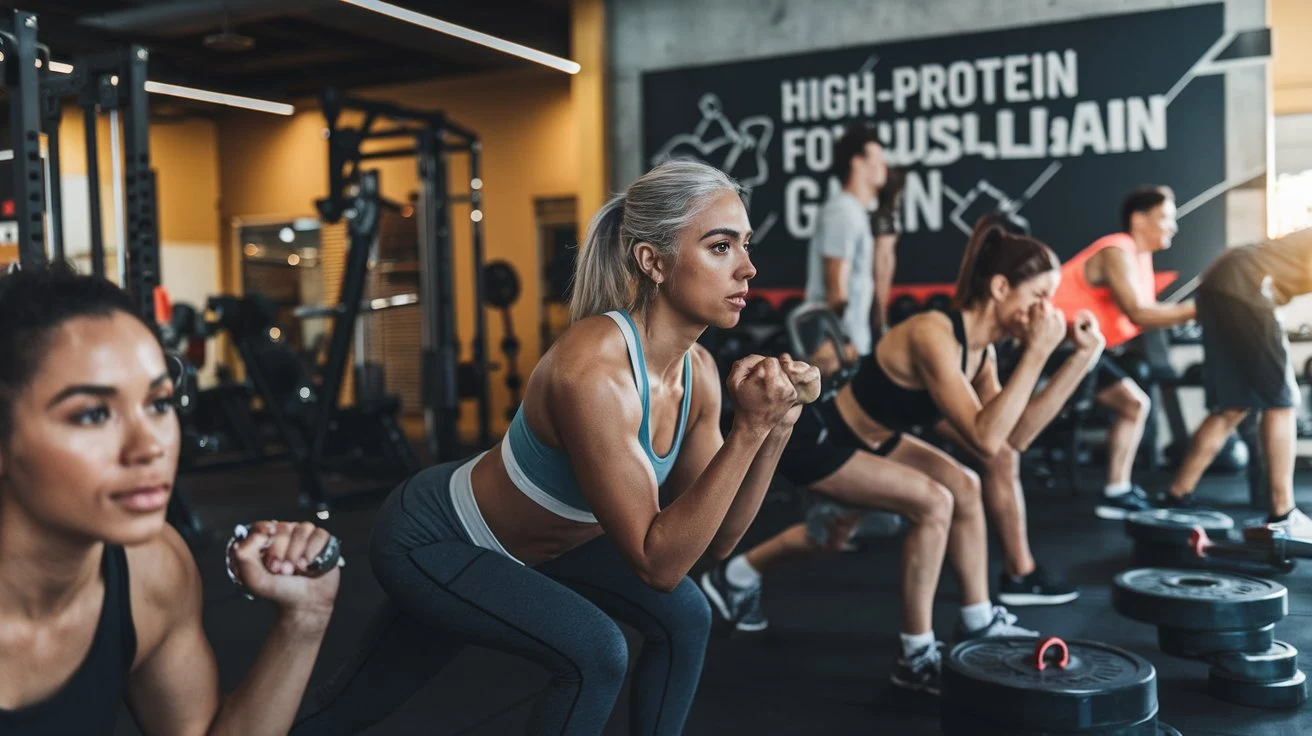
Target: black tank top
89, 702
897, 408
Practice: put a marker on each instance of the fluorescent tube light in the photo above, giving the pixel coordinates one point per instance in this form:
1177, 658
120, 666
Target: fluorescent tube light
220, 98
468, 34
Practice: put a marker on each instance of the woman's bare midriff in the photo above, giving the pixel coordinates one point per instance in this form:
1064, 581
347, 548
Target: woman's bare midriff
868, 430
529, 532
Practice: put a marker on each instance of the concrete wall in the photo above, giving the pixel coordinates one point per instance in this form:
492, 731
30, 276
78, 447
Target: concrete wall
648, 35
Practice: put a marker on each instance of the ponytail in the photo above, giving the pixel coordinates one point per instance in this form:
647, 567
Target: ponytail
994, 251
655, 210
602, 277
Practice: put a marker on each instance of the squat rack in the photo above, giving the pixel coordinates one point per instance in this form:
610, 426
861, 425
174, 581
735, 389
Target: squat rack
353, 193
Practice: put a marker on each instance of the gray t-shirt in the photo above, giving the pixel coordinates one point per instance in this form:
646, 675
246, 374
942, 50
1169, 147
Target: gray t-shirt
843, 231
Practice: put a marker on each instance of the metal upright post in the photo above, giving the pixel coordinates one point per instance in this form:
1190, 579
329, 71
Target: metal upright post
363, 228
51, 115
90, 122
480, 313
142, 226
24, 93
441, 354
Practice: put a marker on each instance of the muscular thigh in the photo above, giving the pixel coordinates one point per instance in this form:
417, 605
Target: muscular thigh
933, 462
871, 481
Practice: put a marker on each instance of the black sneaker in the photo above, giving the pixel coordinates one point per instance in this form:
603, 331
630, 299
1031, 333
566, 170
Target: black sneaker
1119, 507
922, 671
740, 607
1003, 624
1039, 588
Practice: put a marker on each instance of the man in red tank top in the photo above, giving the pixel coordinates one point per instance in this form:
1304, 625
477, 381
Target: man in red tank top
1113, 278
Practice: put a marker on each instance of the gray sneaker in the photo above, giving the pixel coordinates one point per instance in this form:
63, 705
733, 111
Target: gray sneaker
1003, 624
740, 607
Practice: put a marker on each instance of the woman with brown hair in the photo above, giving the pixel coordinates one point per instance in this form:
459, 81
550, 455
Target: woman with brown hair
936, 370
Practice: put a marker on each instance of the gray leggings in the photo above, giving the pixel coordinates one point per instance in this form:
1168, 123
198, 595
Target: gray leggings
445, 593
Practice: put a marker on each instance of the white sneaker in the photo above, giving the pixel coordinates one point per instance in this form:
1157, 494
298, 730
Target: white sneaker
1003, 624
1297, 526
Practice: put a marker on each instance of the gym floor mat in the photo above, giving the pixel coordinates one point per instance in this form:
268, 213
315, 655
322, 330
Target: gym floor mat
823, 665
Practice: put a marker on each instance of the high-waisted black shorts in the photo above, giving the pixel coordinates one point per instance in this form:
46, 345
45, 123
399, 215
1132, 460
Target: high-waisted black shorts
821, 443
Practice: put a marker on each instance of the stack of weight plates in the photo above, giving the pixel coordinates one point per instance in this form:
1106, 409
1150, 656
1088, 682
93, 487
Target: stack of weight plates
1268, 679
1225, 618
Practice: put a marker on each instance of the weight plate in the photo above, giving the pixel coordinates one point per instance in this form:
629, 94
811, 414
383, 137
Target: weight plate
1199, 600
1165, 730
998, 682
1278, 662
1191, 644
1168, 526
1289, 693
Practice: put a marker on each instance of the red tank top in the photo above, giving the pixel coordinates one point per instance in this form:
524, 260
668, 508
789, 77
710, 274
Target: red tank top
1076, 293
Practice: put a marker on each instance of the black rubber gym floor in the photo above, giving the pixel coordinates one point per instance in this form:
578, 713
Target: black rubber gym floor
821, 668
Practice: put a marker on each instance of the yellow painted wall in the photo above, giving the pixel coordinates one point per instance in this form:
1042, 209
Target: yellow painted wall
526, 121
588, 95
185, 158
1291, 23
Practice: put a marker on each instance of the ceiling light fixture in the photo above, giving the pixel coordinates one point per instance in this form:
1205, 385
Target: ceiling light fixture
468, 34
220, 98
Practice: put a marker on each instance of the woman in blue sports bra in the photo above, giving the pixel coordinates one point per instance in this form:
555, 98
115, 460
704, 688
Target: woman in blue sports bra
540, 545
935, 371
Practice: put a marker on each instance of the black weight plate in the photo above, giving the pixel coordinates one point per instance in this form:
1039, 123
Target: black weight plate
1289, 693
1101, 687
1279, 662
1165, 730
1190, 644
1169, 526
1199, 600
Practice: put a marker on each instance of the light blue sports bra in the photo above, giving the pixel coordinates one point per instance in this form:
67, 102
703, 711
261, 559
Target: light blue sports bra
545, 474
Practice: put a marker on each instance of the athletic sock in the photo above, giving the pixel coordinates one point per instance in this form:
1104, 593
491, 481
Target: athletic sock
1273, 519
740, 573
977, 615
1112, 490
914, 643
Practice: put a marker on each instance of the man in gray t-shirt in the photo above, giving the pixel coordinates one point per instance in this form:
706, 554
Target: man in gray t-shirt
841, 267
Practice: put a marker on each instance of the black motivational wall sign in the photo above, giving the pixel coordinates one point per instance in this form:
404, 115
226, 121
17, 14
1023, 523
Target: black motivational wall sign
1055, 123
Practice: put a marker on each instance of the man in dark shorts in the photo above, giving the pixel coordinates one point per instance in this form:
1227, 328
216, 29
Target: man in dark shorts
1246, 367
1113, 278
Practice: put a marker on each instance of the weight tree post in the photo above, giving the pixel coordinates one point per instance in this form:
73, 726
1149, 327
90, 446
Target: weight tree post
22, 84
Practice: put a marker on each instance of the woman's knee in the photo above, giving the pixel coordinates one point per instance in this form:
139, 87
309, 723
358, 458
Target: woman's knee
936, 506
684, 616
602, 656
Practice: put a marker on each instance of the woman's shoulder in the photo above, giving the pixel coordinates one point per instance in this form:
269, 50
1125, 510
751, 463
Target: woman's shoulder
164, 580
589, 348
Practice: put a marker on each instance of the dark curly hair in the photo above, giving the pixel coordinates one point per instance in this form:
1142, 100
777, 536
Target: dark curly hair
33, 304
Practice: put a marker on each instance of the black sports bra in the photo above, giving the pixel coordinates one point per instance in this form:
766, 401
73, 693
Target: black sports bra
897, 408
